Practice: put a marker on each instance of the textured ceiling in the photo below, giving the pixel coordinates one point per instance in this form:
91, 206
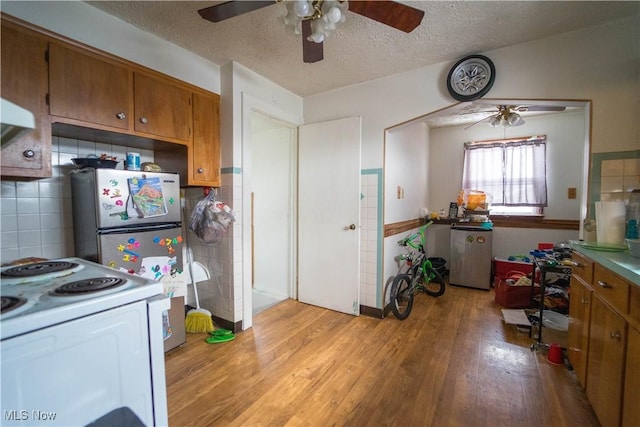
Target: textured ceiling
361, 49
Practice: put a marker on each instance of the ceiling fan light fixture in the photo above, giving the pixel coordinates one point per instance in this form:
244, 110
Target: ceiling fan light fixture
514, 119
324, 15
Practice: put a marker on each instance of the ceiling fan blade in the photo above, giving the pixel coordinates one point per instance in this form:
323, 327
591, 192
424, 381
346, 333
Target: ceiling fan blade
523, 108
229, 9
480, 121
399, 16
311, 51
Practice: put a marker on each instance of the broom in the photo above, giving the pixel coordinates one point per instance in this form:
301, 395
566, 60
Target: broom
198, 320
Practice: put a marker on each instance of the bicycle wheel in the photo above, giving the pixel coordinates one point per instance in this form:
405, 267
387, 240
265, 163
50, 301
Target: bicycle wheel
401, 296
434, 287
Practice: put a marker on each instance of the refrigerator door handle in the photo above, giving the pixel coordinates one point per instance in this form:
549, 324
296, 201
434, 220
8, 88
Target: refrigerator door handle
140, 228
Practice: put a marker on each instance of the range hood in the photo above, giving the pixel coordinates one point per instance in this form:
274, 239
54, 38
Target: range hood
15, 120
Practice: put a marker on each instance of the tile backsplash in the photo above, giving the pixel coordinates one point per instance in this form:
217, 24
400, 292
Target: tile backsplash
618, 178
35, 216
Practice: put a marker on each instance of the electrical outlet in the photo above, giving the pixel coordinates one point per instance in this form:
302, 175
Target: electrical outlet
571, 193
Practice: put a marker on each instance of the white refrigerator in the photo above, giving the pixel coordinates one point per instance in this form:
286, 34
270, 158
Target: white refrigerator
470, 256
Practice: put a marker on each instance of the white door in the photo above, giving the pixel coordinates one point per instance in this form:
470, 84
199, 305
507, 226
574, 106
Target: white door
329, 214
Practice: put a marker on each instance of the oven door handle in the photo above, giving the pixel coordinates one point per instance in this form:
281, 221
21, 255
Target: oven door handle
155, 307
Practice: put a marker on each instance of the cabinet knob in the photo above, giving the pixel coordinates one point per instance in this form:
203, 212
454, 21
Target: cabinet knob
616, 335
143, 120
604, 284
29, 154
121, 116
584, 301
352, 227
200, 170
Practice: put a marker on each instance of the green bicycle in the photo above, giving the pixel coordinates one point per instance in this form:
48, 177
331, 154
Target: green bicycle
421, 276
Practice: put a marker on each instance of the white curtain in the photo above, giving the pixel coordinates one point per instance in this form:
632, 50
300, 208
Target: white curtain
513, 172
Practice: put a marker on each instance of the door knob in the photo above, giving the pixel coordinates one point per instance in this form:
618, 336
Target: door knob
352, 227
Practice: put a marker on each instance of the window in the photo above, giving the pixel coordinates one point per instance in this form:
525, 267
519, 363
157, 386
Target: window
512, 171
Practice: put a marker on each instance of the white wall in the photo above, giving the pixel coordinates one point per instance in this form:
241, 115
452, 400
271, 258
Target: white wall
406, 166
273, 167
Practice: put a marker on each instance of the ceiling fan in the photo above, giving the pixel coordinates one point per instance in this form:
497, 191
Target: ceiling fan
316, 19
507, 115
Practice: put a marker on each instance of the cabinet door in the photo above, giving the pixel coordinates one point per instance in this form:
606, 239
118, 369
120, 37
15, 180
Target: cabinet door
606, 362
631, 411
88, 88
205, 153
24, 82
161, 108
578, 334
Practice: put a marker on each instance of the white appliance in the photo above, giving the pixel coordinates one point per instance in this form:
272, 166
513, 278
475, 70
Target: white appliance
81, 342
14, 121
470, 256
128, 220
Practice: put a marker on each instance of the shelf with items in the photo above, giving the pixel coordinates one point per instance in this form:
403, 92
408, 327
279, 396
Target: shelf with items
554, 279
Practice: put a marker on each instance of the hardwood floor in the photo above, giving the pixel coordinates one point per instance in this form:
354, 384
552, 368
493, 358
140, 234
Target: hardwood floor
453, 362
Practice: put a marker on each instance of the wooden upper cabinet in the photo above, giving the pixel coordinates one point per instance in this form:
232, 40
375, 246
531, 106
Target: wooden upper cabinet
204, 168
161, 108
89, 88
107, 99
24, 82
202, 165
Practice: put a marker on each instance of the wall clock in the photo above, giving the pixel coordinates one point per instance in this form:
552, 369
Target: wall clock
471, 78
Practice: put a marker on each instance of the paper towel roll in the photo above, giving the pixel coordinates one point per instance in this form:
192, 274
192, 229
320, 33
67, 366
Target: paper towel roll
610, 222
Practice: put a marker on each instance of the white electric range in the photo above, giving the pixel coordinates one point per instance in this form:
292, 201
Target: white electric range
80, 342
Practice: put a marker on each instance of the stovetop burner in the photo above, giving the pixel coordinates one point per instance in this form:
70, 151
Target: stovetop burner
11, 303
88, 286
38, 268
79, 288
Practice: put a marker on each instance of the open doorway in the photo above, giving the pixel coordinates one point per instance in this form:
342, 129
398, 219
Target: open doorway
273, 190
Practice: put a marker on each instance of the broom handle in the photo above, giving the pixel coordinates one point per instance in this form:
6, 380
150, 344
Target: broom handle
193, 282
189, 257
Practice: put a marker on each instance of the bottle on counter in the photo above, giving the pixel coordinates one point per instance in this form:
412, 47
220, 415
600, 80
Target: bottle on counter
632, 216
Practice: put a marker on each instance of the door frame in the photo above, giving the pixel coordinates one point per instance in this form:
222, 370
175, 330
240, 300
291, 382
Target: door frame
249, 106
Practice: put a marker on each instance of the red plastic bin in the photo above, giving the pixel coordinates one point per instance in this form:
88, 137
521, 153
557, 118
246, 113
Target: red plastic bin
502, 267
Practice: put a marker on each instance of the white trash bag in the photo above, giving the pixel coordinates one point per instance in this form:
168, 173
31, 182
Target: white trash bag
210, 219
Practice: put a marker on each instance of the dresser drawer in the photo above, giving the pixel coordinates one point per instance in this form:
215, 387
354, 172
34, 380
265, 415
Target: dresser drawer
612, 288
582, 268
